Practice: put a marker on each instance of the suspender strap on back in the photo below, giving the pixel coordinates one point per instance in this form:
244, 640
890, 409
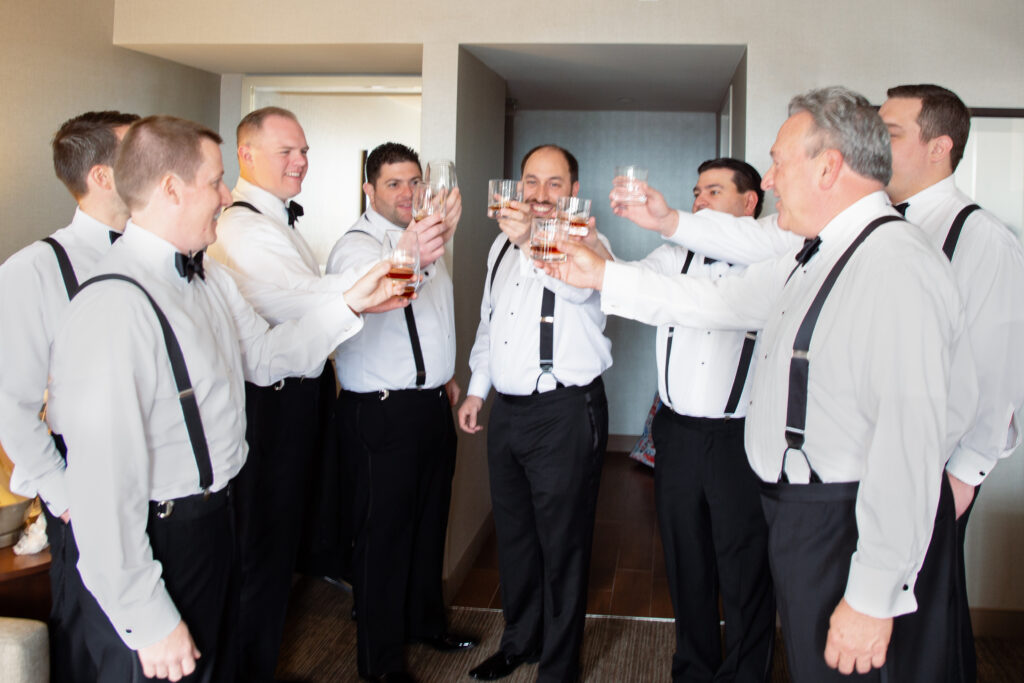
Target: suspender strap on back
246, 205
66, 271
953, 236
547, 332
799, 366
417, 352
186, 396
672, 330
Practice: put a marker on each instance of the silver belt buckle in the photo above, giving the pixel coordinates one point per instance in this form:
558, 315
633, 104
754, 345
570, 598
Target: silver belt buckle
164, 509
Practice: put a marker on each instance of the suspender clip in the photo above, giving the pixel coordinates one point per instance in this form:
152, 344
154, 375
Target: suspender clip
279, 386
185, 393
752, 336
206, 493
384, 393
547, 318
164, 509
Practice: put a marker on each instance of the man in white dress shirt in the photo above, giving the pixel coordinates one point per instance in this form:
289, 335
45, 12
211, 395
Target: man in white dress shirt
272, 263
928, 127
155, 431
849, 417
707, 497
395, 422
541, 346
35, 288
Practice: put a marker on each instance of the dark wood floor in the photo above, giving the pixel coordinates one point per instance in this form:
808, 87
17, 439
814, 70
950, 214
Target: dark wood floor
627, 568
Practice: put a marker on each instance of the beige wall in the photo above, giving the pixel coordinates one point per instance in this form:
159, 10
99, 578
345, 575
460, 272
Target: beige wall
57, 61
791, 46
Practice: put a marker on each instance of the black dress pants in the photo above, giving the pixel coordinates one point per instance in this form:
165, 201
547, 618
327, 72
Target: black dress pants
402, 448
716, 543
942, 623
69, 657
812, 532
198, 556
272, 489
545, 454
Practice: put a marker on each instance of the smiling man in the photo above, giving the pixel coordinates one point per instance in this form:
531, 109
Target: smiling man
395, 420
541, 345
154, 434
278, 274
861, 373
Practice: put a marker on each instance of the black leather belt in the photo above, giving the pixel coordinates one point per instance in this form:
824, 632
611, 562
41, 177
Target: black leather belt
553, 395
189, 507
385, 394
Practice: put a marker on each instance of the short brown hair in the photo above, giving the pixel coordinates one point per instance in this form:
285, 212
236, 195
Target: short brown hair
252, 122
154, 146
942, 113
85, 141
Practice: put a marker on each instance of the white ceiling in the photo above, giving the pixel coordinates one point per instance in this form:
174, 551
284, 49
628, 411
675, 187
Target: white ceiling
614, 77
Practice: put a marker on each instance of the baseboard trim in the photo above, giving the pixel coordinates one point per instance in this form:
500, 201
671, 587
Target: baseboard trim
997, 623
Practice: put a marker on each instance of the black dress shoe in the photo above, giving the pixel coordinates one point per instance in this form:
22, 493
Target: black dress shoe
392, 677
449, 642
497, 666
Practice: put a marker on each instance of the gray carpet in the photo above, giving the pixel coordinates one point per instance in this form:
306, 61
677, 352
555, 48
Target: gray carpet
320, 646
320, 639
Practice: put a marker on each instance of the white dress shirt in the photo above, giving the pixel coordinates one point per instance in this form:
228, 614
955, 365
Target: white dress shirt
272, 264
506, 353
989, 268
737, 239
885, 357
380, 357
32, 300
704, 362
114, 399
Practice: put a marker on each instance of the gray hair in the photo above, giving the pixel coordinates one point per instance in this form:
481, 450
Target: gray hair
846, 121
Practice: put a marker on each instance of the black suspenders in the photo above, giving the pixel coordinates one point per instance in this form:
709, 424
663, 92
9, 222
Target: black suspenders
247, 205
746, 356
414, 337
66, 271
799, 366
547, 321
953, 236
186, 395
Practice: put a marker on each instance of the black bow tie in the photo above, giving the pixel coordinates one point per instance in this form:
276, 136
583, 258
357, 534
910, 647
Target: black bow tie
902, 208
294, 211
809, 250
190, 266
114, 235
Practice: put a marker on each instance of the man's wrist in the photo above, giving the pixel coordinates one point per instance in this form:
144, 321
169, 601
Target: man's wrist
670, 224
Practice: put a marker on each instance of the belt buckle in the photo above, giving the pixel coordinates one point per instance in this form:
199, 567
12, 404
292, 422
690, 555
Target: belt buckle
164, 509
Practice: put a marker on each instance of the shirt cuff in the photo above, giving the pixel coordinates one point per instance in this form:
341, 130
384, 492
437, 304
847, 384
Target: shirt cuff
969, 466
620, 281
53, 493
479, 386
880, 593
147, 622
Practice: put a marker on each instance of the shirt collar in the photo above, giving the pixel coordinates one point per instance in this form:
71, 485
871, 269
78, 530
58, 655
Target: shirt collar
151, 253
380, 224
923, 200
844, 228
91, 229
268, 204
